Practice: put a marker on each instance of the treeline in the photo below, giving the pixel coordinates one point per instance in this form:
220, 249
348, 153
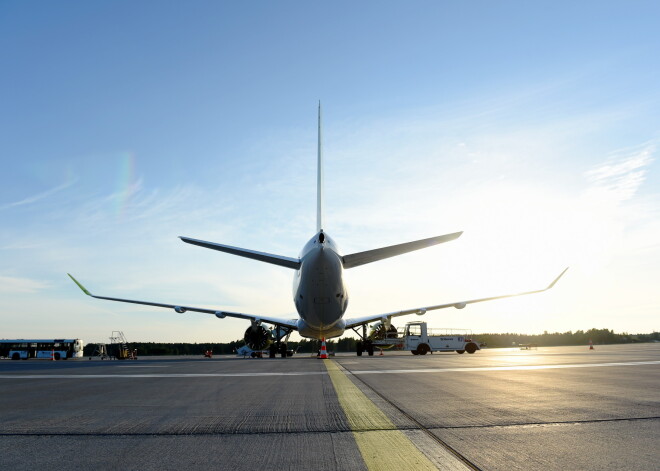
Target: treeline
556, 339
347, 344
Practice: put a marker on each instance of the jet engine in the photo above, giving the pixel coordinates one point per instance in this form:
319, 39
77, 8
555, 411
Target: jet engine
257, 337
379, 331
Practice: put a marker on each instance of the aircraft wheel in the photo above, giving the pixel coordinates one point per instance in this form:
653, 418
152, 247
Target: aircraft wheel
370, 349
460, 352
359, 348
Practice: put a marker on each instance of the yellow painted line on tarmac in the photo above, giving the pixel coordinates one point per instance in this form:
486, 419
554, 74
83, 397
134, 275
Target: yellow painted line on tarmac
382, 445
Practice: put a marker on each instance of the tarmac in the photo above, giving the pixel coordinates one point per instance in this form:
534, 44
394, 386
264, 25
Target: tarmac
551, 408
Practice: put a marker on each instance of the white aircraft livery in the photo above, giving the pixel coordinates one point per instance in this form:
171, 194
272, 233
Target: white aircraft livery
319, 291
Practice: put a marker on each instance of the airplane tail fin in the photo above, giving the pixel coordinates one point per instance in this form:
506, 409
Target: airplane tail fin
319, 180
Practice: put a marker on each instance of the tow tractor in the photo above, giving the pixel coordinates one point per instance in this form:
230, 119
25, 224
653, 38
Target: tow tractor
420, 340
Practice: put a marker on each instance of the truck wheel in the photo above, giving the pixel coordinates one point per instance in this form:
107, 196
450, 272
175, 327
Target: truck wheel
471, 347
423, 349
460, 352
414, 352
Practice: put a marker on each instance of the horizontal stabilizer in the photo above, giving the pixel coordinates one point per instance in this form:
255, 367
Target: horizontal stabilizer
362, 258
287, 262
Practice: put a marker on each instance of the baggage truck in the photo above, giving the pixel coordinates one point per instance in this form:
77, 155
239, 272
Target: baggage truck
420, 340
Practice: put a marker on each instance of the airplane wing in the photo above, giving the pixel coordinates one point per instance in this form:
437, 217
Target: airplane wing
361, 258
288, 323
422, 310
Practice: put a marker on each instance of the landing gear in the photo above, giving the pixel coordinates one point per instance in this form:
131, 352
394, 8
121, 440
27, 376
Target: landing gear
364, 344
280, 345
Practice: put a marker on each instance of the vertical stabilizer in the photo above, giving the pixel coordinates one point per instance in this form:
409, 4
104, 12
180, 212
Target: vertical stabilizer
319, 181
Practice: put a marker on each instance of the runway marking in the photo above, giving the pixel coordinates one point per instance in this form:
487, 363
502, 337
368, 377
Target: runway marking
316, 373
382, 445
505, 368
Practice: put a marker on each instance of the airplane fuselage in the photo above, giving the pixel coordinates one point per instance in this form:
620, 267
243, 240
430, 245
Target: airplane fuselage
319, 292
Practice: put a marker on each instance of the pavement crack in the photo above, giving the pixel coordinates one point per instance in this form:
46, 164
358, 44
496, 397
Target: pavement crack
543, 424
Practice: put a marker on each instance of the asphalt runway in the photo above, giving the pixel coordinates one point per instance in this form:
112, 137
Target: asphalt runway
551, 408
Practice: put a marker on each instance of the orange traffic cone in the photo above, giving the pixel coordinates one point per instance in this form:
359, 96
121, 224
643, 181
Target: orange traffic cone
52, 354
381, 352
324, 352
591, 345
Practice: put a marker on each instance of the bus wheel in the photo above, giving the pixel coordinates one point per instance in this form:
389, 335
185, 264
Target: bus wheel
15, 356
460, 352
423, 349
57, 356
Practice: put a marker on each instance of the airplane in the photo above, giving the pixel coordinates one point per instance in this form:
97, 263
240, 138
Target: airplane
320, 293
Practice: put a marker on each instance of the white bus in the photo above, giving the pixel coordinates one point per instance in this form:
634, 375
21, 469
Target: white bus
56, 349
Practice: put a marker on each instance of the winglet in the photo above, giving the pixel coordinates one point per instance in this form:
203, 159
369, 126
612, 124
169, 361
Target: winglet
557, 279
84, 290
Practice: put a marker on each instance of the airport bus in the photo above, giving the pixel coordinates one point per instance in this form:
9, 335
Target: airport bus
55, 349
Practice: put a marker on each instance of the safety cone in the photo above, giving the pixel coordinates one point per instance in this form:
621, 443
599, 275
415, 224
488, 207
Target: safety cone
381, 352
324, 352
591, 345
52, 355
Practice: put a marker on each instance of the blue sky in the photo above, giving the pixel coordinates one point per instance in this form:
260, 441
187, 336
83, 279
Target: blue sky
532, 126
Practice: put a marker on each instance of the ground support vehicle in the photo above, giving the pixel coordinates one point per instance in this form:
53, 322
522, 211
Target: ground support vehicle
48, 349
420, 340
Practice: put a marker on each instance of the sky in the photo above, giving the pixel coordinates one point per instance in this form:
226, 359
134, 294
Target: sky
534, 127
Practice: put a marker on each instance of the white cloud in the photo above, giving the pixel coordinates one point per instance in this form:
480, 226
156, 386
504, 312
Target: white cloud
38, 196
11, 285
623, 174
